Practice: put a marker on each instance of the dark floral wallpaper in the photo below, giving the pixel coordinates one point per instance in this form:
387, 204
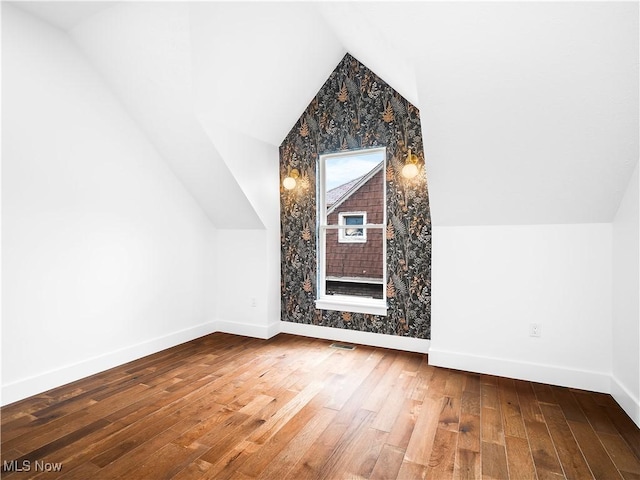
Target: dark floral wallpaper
356, 109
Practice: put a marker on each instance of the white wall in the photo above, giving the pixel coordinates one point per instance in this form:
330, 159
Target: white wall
248, 261
245, 302
625, 386
491, 282
106, 257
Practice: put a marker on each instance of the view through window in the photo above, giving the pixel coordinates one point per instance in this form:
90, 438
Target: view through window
351, 221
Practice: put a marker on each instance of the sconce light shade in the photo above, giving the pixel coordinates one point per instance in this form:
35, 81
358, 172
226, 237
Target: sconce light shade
410, 168
290, 181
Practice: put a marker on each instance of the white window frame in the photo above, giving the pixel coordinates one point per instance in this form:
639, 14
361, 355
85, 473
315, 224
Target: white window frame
342, 236
347, 303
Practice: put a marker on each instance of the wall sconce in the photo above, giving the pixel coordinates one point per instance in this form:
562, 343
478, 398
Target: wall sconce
410, 168
290, 180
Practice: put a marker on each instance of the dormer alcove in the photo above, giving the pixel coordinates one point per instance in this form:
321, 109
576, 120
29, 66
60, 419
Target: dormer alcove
355, 110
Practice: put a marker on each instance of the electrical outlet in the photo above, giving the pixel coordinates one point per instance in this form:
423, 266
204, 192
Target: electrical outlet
535, 329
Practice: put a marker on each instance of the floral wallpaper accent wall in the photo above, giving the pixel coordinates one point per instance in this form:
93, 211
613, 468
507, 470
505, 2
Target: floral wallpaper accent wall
356, 109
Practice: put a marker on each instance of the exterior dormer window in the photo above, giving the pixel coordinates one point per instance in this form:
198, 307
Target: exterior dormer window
355, 233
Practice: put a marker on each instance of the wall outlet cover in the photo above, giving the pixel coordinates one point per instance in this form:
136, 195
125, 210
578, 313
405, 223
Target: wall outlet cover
535, 329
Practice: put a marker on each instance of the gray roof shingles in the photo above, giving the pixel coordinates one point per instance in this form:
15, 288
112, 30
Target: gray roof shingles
337, 193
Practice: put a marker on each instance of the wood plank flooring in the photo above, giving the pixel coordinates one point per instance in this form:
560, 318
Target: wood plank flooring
230, 407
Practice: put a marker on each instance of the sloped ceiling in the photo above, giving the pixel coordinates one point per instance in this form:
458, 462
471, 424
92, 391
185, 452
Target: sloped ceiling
529, 110
144, 52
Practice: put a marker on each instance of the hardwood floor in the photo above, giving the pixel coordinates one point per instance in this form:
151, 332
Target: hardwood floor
229, 407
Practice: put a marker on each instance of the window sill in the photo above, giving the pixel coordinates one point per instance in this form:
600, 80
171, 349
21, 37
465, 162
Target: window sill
352, 240
375, 281
343, 303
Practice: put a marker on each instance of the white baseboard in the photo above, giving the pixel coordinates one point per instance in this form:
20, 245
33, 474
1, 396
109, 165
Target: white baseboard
534, 372
36, 384
247, 329
587, 380
626, 400
395, 342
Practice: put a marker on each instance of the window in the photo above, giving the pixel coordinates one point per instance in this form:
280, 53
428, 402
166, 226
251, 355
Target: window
351, 232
